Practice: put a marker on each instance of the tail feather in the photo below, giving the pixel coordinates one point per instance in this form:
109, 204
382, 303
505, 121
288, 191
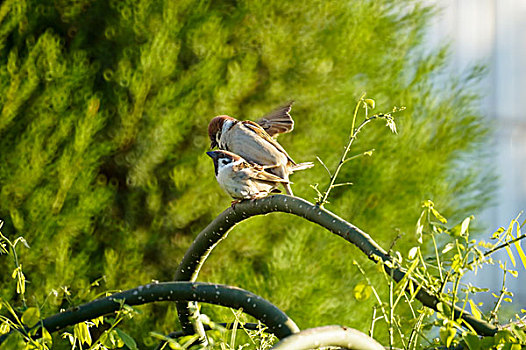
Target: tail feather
302, 166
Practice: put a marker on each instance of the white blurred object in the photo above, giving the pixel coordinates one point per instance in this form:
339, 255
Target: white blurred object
494, 32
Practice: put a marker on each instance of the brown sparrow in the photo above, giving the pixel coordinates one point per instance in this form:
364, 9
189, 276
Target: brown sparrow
253, 141
242, 180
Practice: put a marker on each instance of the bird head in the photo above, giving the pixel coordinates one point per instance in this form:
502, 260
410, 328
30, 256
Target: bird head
222, 158
215, 128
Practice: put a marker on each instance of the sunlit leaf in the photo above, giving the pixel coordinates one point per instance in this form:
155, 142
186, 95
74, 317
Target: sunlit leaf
46, 337
4, 327
69, 336
510, 254
438, 215
392, 126
521, 253
518, 332
31, 316
496, 234
369, 102
362, 291
128, 341
472, 341
20, 280
97, 321
412, 253
465, 226
21, 239
81, 332
474, 310
448, 248
447, 334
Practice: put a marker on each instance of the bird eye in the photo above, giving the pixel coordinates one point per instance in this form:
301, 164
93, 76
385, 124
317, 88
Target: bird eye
225, 161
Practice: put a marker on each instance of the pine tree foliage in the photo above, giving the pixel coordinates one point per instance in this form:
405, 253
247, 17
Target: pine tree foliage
104, 108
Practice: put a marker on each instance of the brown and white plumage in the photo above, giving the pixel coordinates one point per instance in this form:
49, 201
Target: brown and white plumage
252, 142
240, 179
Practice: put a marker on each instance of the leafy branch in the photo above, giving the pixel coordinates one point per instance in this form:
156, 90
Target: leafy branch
8, 247
366, 104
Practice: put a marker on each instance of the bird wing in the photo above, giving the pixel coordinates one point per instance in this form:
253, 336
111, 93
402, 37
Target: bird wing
256, 128
257, 173
278, 121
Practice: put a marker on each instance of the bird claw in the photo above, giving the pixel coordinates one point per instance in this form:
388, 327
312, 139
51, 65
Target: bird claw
234, 202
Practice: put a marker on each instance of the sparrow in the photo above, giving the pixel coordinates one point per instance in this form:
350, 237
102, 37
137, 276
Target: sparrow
242, 180
254, 141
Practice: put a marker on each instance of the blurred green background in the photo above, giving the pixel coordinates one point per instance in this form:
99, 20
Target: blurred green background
104, 109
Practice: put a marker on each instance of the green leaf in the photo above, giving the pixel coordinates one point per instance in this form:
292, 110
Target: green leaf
518, 332
447, 334
412, 253
496, 234
510, 254
369, 102
504, 336
465, 226
474, 310
31, 316
128, 341
46, 338
81, 332
444, 309
362, 291
20, 280
521, 253
97, 321
472, 341
13, 341
420, 227
4, 327
448, 247
438, 215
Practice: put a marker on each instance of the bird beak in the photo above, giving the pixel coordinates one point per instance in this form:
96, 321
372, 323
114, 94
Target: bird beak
212, 154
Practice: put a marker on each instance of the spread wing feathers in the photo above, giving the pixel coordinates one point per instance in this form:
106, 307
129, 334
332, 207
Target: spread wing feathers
258, 173
278, 121
262, 133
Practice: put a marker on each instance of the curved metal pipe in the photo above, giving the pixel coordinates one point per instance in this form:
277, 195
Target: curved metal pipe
276, 320
313, 338
218, 229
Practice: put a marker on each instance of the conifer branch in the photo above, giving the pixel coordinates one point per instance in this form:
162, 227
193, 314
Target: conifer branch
219, 228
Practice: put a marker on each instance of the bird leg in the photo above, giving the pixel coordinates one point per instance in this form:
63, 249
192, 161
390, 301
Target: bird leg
234, 202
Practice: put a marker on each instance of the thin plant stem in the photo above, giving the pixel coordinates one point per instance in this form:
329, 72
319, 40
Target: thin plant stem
438, 258
373, 321
352, 137
503, 291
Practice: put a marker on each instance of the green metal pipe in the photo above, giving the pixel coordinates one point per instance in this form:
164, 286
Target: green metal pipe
218, 229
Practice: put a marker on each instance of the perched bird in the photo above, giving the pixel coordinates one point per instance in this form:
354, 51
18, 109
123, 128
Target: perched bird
254, 141
242, 180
